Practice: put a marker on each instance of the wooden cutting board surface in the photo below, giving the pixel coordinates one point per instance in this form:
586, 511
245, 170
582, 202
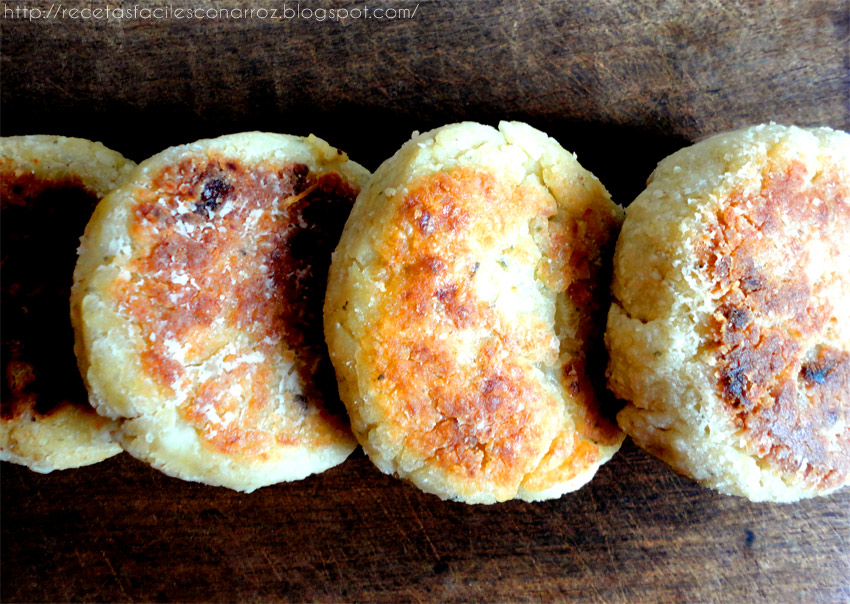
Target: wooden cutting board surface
623, 85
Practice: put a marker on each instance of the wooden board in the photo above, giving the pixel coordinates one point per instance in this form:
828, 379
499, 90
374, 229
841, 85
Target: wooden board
623, 85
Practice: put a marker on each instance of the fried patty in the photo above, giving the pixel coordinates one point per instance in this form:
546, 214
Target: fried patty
730, 332
462, 313
49, 186
201, 284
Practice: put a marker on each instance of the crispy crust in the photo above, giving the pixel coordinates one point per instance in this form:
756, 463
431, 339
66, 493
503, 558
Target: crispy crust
48, 186
460, 315
200, 283
730, 330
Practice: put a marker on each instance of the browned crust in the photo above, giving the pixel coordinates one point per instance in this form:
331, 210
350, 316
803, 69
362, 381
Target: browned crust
485, 420
251, 254
779, 378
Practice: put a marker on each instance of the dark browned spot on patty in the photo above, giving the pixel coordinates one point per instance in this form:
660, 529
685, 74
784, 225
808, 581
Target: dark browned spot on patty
213, 194
300, 261
433, 208
244, 248
42, 221
783, 388
829, 370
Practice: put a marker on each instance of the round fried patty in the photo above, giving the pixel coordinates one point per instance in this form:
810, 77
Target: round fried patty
49, 186
730, 332
462, 310
201, 283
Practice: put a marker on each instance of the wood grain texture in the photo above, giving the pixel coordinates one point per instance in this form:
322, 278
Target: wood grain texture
622, 84
121, 531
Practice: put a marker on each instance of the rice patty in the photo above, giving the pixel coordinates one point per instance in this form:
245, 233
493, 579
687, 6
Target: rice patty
49, 186
462, 306
201, 284
730, 332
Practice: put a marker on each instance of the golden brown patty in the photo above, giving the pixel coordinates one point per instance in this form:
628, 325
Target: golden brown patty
462, 306
730, 335
48, 188
201, 284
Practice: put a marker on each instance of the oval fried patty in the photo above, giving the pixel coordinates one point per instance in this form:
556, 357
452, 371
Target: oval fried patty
201, 283
462, 309
730, 333
49, 186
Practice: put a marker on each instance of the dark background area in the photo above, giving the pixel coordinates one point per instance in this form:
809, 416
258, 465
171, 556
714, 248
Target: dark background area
622, 85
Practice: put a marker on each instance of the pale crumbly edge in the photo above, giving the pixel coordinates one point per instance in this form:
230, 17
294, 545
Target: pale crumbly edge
150, 427
62, 440
98, 167
67, 438
515, 152
661, 300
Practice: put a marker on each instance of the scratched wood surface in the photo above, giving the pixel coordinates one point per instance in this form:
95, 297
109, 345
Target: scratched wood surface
621, 84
